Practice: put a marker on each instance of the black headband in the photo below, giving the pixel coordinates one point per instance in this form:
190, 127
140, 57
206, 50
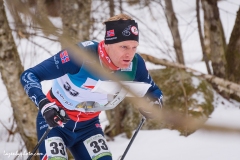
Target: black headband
121, 30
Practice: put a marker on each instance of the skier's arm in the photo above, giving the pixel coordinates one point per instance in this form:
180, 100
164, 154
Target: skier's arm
142, 75
51, 68
154, 94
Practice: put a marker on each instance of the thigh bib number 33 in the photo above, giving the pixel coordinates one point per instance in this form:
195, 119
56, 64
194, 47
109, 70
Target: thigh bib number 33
97, 147
56, 148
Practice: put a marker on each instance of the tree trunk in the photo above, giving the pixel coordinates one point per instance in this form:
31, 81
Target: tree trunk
120, 6
24, 111
19, 25
214, 38
122, 119
111, 7
53, 7
233, 50
201, 38
42, 14
76, 19
173, 25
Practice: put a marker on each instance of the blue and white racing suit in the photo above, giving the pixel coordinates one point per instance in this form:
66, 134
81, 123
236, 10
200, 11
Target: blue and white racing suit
72, 84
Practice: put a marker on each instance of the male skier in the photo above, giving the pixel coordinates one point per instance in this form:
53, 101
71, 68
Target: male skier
72, 84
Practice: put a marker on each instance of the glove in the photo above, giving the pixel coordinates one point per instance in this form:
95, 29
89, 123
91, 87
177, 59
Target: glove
147, 112
53, 115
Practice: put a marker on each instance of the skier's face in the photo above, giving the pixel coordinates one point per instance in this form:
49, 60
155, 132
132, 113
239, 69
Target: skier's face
122, 53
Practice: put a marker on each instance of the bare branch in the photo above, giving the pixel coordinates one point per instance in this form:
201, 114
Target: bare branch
223, 85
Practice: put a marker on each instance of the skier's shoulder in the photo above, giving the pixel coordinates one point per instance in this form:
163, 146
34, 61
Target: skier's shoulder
139, 60
90, 46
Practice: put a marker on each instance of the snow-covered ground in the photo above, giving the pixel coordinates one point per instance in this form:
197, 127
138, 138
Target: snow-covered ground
202, 145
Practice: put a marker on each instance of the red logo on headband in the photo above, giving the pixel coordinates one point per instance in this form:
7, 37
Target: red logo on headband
110, 33
134, 30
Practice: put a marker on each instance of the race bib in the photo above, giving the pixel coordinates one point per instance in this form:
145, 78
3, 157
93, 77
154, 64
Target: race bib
97, 147
55, 149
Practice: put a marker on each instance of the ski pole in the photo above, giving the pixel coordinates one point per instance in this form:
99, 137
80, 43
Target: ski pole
133, 137
39, 142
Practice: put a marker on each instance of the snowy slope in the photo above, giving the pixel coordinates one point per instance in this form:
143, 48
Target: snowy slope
202, 145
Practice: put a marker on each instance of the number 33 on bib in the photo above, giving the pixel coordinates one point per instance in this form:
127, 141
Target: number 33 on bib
97, 147
56, 148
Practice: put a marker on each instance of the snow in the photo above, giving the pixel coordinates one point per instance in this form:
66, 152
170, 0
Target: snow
203, 144
153, 144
